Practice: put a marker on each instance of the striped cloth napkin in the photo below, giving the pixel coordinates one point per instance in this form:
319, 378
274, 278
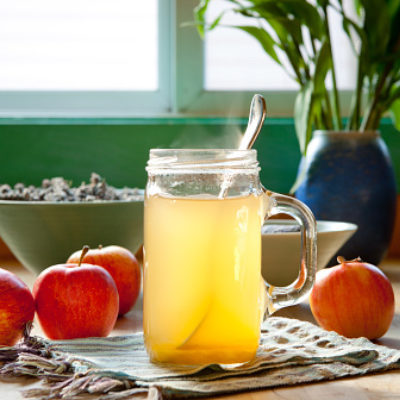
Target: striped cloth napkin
291, 352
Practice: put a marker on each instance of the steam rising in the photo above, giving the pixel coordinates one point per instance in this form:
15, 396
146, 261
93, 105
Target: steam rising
199, 137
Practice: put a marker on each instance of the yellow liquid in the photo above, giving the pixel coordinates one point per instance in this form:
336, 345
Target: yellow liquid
202, 297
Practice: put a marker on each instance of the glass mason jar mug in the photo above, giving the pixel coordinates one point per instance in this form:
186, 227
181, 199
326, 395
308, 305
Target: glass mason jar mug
204, 297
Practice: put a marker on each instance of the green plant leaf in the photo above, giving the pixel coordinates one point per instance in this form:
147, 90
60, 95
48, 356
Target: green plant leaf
216, 21
300, 12
264, 38
377, 26
348, 23
303, 115
323, 64
309, 99
200, 21
324, 3
358, 6
268, 8
200, 16
393, 7
305, 13
395, 113
393, 97
279, 18
394, 11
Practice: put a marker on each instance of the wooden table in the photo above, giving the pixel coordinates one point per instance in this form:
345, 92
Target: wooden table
378, 386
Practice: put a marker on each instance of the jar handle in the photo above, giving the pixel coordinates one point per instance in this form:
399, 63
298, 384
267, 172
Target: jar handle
279, 297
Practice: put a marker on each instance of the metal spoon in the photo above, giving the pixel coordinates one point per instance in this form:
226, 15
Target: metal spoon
258, 111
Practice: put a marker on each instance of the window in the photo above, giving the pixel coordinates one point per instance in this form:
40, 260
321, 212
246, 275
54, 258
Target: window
83, 57
78, 45
133, 58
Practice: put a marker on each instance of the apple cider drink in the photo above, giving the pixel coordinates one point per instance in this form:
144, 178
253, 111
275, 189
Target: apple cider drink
202, 278
204, 297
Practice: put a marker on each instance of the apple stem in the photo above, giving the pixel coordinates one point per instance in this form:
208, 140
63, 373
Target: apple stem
342, 260
85, 249
27, 330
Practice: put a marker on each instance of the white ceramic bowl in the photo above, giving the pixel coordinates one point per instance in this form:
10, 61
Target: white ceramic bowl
281, 250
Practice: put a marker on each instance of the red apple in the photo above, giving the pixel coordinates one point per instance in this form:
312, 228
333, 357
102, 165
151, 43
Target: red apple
76, 301
354, 299
122, 266
17, 307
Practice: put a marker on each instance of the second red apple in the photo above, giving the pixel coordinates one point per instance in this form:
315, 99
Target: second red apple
122, 266
17, 307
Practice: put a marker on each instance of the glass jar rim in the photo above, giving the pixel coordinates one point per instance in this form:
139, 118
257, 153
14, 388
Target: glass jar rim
183, 159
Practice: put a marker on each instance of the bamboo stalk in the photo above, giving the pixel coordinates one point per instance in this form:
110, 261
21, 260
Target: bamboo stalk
355, 113
371, 110
337, 120
369, 117
329, 124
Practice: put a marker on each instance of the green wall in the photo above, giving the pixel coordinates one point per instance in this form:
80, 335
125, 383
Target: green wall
33, 149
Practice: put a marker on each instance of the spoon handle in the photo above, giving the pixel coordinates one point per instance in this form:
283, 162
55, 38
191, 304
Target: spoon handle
258, 111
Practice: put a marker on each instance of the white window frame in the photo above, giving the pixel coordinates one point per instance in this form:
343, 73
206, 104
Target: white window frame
181, 84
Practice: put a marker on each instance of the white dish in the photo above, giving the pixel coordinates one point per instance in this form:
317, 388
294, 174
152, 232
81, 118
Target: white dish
281, 250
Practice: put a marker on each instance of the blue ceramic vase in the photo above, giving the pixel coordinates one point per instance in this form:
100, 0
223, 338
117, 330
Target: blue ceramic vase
348, 176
